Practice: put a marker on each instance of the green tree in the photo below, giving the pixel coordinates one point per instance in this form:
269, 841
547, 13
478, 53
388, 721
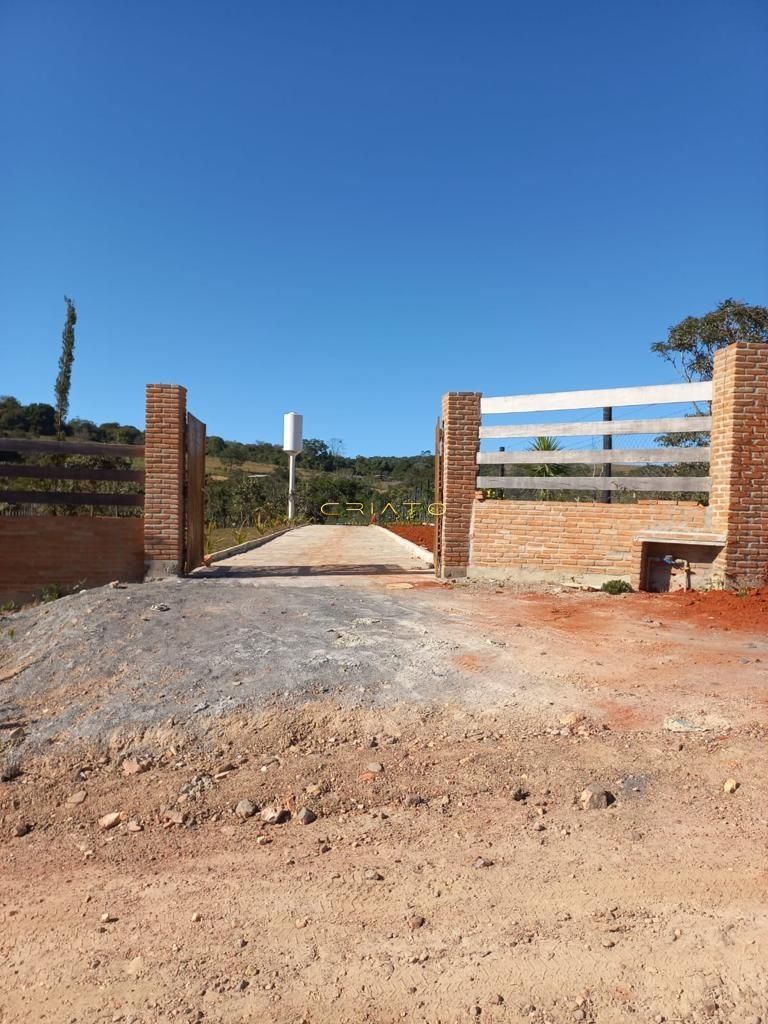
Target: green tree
316, 455
41, 419
17, 420
67, 357
691, 345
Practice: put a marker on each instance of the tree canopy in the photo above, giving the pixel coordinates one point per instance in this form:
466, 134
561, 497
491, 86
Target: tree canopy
38, 419
66, 359
690, 346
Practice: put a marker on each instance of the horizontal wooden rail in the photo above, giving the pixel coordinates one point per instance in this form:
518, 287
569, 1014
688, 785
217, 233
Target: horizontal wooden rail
69, 498
686, 484
653, 394
656, 456
595, 428
17, 470
104, 451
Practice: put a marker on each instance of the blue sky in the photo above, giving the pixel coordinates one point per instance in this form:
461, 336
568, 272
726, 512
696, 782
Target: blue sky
349, 208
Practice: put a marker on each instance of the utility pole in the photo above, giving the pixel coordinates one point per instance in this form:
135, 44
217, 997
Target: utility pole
607, 447
291, 486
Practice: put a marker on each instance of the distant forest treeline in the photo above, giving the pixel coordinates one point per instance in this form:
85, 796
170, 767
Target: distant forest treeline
38, 419
247, 483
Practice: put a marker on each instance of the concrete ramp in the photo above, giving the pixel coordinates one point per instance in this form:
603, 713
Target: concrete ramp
325, 554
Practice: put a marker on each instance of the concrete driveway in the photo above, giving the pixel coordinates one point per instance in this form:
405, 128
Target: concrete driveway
325, 554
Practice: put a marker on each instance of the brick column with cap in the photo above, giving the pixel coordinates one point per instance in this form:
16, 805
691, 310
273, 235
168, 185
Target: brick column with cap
739, 462
164, 467
461, 426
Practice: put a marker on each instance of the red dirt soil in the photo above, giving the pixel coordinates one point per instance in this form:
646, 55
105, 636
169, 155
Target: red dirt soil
424, 536
724, 608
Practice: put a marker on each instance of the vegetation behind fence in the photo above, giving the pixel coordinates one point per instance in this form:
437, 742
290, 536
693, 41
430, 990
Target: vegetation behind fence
70, 477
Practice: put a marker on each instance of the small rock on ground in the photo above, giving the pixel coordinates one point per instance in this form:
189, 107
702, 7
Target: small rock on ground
414, 800
245, 809
109, 820
272, 815
595, 797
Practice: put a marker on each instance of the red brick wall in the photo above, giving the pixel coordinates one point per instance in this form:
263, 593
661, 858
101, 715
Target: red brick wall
461, 426
164, 479
572, 538
584, 538
68, 550
739, 466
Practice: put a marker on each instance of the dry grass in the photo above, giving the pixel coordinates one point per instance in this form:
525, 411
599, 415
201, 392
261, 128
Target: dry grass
221, 469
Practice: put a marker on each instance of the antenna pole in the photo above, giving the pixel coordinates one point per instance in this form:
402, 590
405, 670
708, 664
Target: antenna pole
291, 487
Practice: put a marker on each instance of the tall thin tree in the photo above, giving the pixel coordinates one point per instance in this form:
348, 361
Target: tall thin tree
67, 357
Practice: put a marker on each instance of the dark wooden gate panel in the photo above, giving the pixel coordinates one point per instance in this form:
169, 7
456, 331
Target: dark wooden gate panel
438, 555
195, 510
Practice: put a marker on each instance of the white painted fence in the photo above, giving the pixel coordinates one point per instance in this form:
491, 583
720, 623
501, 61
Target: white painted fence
659, 394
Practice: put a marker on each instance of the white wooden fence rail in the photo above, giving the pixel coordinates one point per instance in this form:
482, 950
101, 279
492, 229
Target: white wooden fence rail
656, 456
668, 425
653, 394
596, 483
656, 394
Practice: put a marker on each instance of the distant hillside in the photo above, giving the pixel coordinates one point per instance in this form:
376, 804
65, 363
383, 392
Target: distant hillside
247, 482
252, 479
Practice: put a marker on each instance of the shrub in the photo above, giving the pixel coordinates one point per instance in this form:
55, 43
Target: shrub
616, 587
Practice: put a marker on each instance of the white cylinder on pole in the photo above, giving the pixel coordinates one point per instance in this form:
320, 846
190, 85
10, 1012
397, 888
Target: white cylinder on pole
292, 433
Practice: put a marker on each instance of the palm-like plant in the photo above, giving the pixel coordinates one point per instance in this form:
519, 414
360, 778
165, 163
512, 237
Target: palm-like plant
547, 469
547, 444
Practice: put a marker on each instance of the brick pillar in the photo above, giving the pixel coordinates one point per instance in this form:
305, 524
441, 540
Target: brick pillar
461, 425
164, 460
739, 461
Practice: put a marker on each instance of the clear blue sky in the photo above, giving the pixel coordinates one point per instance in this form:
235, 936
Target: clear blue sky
348, 208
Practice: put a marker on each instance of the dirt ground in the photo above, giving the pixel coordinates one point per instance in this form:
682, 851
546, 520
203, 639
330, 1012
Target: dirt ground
443, 736
417, 533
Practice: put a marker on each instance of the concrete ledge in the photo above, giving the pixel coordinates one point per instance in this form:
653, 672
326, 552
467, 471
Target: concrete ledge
249, 545
563, 578
716, 540
415, 549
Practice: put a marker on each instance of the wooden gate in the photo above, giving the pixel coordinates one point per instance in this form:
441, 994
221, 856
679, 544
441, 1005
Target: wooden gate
195, 494
438, 554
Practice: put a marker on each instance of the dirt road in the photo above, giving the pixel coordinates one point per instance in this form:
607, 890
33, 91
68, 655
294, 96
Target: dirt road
443, 736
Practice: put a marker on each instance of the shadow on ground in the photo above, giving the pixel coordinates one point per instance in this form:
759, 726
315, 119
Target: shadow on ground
262, 571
